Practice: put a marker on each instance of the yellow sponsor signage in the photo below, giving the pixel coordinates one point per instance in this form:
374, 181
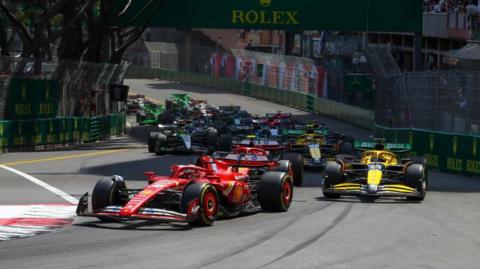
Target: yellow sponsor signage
454, 164
265, 17
473, 166
432, 159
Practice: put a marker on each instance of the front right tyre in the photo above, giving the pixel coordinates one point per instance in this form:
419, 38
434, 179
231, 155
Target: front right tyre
332, 175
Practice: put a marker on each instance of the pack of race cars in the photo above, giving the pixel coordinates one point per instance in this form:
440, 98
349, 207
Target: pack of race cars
249, 163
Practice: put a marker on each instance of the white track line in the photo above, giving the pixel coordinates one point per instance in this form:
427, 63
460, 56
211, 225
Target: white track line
44, 185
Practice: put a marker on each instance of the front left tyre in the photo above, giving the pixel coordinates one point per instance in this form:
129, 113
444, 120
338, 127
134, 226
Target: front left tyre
201, 199
108, 192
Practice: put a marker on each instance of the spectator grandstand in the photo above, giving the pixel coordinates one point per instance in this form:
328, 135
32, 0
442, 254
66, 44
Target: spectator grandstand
444, 6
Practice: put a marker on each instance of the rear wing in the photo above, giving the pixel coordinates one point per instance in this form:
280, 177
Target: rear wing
394, 147
271, 115
297, 132
230, 108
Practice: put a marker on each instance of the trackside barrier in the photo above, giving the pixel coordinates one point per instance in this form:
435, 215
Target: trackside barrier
448, 152
51, 131
354, 115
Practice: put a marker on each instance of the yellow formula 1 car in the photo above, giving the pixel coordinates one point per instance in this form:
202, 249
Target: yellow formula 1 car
318, 148
378, 172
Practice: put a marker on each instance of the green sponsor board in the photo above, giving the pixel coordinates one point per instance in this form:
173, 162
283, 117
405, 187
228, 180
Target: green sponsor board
444, 151
32, 99
347, 15
358, 82
24, 133
4, 134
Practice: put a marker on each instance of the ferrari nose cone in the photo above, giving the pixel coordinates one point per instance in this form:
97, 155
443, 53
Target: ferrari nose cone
372, 188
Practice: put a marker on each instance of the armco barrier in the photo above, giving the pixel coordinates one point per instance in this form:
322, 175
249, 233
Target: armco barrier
444, 151
354, 115
39, 132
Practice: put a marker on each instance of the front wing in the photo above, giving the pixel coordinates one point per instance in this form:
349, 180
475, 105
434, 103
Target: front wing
357, 189
113, 213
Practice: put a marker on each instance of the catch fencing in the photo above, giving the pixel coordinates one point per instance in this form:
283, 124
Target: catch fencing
437, 112
435, 101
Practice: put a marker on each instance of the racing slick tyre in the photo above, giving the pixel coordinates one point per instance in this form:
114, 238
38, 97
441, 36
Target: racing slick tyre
107, 192
348, 138
284, 166
225, 142
296, 159
276, 191
332, 175
152, 140
211, 138
345, 158
160, 142
416, 177
166, 118
208, 203
346, 148
140, 117
419, 160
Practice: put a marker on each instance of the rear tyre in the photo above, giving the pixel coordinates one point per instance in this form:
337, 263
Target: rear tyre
152, 139
211, 138
296, 160
160, 143
419, 160
206, 198
225, 142
107, 192
348, 138
416, 177
276, 191
345, 158
332, 175
140, 117
346, 148
284, 166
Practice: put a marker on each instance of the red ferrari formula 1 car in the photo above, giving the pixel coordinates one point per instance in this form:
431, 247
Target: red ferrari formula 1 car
256, 161
275, 151
191, 194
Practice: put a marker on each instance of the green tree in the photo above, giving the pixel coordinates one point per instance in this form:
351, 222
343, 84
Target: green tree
83, 30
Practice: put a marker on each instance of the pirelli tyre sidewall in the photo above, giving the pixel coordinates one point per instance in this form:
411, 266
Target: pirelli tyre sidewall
332, 175
276, 191
107, 193
152, 140
160, 142
296, 159
207, 200
416, 177
225, 142
211, 138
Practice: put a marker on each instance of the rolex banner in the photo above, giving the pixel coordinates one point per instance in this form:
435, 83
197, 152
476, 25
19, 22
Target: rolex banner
346, 15
32, 99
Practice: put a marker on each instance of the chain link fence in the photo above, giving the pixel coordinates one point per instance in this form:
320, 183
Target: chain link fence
435, 101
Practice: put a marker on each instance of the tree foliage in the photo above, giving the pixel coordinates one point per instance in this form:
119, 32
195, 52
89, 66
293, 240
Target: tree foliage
83, 30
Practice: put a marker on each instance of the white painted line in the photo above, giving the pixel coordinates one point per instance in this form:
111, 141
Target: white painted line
67, 197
